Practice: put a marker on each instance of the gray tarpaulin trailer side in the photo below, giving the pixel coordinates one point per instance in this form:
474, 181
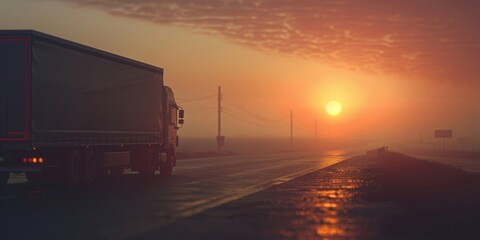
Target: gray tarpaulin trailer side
64, 104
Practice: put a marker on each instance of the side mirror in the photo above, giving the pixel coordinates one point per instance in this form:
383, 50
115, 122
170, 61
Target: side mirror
181, 114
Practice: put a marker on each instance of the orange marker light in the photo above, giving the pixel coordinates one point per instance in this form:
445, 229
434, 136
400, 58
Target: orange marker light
34, 160
40, 160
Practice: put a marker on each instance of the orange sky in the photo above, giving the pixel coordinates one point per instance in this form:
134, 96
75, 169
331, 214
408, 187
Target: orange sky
400, 69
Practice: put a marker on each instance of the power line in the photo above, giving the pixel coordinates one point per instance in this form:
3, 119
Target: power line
250, 119
209, 111
187, 100
236, 111
231, 114
197, 107
244, 110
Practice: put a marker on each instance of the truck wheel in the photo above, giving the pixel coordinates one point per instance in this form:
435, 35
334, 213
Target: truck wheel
89, 173
167, 168
3, 179
73, 168
116, 171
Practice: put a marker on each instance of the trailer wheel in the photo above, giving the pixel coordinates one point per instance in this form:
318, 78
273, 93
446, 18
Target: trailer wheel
167, 168
89, 167
73, 168
3, 179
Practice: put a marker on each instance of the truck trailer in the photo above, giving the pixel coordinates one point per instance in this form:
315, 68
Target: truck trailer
76, 113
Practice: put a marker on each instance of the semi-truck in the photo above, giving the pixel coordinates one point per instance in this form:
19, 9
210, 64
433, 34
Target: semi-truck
77, 114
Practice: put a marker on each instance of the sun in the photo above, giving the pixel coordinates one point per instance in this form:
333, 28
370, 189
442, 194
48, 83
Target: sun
333, 108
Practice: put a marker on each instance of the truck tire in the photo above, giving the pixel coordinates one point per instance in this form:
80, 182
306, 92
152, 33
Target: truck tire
166, 169
3, 180
89, 173
73, 168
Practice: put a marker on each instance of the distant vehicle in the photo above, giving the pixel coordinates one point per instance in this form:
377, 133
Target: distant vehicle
376, 152
75, 113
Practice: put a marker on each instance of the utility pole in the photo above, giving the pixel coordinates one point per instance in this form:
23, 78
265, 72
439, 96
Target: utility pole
219, 111
220, 138
291, 129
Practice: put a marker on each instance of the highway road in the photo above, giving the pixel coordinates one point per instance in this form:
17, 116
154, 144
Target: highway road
132, 205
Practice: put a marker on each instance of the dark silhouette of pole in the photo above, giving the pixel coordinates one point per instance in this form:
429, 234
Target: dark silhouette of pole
291, 129
219, 111
219, 136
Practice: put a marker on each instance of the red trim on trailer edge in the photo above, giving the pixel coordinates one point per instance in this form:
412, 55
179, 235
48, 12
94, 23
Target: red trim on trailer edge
27, 88
14, 39
13, 132
27, 64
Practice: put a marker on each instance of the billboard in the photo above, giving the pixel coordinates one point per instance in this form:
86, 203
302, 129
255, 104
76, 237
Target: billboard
443, 133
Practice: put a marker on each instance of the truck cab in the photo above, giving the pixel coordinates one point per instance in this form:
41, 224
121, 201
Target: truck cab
174, 121
176, 118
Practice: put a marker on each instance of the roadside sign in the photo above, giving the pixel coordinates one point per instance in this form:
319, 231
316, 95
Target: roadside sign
443, 133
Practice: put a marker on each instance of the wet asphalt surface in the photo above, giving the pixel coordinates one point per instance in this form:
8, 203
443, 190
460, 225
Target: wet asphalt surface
392, 196
130, 206
328, 203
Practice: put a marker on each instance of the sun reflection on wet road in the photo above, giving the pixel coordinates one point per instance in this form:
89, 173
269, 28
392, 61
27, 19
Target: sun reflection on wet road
323, 206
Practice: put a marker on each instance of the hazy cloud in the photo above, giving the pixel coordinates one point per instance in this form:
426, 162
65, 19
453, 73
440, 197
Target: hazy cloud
432, 39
